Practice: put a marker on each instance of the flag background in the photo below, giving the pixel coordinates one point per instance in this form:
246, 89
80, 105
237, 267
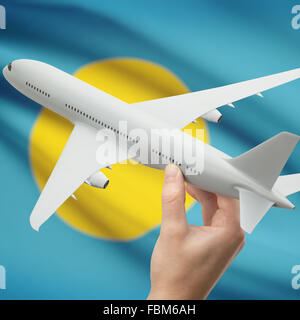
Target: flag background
206, 44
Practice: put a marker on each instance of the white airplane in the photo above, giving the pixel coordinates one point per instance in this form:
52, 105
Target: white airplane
252, 177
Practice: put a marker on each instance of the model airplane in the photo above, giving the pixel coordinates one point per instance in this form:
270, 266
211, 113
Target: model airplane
252, 177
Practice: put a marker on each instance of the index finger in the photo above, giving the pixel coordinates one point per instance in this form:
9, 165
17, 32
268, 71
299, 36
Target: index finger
228, 213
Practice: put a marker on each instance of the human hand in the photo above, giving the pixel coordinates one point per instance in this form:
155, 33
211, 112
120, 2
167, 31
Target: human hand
187, 261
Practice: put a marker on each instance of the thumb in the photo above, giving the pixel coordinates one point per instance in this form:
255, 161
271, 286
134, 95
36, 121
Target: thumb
173, 200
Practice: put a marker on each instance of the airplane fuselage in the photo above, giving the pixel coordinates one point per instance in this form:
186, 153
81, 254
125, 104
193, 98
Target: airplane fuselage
78, 101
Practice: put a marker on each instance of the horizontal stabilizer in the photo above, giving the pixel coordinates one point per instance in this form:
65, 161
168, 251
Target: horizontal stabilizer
265, 162
289, 184
252, 209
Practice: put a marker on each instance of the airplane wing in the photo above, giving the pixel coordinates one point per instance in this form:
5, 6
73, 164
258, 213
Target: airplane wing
77, 162
183, 109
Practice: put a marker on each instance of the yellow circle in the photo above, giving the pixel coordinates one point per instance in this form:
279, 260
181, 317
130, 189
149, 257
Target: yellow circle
130, 206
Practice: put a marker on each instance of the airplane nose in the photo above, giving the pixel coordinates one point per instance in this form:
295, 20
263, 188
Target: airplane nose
7, 71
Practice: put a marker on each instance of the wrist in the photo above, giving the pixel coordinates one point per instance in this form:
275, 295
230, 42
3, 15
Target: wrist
176, 294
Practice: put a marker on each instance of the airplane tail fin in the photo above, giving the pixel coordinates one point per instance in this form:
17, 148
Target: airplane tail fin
264, 163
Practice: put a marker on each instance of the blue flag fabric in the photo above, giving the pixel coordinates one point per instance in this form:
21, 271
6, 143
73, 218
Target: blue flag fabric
206, 44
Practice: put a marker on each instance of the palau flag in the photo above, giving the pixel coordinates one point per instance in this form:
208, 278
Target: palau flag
99, 247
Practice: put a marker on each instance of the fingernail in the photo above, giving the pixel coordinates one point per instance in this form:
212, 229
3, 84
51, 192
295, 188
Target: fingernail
171, 172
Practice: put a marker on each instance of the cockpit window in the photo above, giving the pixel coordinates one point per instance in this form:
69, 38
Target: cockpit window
9, 67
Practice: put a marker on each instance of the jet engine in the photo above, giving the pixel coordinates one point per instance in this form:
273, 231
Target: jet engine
212, 116
98, 180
